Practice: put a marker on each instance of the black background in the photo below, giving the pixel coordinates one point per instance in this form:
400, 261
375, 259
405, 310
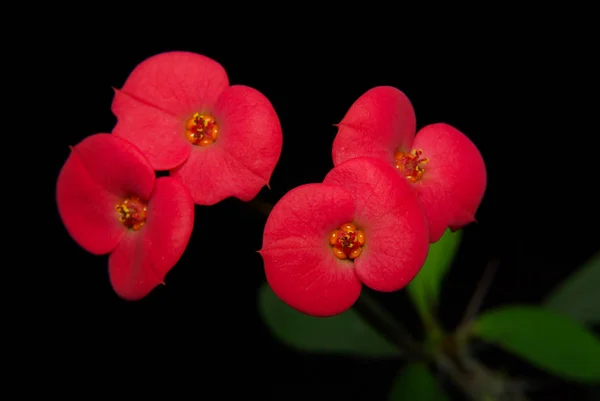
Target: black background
201, 333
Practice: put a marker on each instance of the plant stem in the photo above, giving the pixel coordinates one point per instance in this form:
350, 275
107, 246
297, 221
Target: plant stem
477, 299
478, 383
473, 380
393, 330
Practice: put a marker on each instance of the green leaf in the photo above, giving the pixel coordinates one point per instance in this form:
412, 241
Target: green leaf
415, 382
345, 334
547, 339
578, 295
424, 290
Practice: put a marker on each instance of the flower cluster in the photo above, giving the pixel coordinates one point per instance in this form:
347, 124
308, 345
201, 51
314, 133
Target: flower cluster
390, 194
443, 166
176, 112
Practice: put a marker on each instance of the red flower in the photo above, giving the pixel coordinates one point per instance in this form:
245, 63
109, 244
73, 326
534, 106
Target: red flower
180, 111
363, 224
443, 165
111, 202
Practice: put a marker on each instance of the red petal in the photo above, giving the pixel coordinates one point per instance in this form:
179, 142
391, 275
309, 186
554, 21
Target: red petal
434, 200
299, 264
87, 209
159, 135
116, 165
179, 83
242, 159
100, 171
389, 213
455, 177
381, 121
143, 258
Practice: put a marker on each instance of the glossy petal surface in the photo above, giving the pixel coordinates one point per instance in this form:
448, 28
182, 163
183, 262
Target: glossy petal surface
244, 156
379, 122
388, 211
299, 264
143, 258
100, 171
455, 178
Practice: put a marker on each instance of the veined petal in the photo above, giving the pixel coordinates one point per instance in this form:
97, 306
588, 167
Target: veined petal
389, 213
87, 209
116, 165
299, 263
143, 258
158, 135
179, 83
250, 131
434, 199
455, 178
244, 156
381, 121
100, 171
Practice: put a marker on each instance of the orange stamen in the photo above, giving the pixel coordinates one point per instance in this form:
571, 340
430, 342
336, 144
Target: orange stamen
347, 241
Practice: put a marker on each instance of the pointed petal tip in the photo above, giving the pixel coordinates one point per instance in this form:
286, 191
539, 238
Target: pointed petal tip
299, 270
154, 132
194, 79
141, 262
91, 183
244, 162
378, 122
441, 142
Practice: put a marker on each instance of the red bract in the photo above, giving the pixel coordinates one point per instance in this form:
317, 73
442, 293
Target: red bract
180, 111
321, 242
443, 165
111, 202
